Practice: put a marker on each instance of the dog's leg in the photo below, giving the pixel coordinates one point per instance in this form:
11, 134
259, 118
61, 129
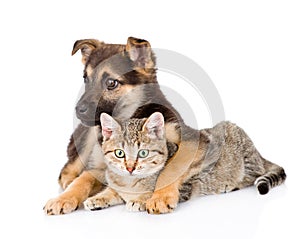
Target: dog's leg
78, 191
166, 194
79, 149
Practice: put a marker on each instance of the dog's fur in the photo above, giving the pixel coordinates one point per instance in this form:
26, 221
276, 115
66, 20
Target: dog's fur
137, 95
121, 80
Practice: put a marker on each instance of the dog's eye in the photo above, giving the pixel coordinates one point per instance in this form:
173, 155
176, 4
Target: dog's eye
111, 83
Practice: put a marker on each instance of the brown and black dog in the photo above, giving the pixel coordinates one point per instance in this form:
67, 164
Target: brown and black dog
121, 81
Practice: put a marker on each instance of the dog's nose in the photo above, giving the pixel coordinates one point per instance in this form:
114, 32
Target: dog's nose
82, 108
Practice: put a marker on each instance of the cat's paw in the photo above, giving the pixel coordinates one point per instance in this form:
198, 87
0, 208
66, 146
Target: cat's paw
162, 201
60, 205
96, 203
135, 206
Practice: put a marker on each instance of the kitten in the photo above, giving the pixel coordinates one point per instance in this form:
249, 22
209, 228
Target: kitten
136, 151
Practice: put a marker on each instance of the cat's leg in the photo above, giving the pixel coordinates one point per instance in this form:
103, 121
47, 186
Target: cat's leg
108, 197
75, 194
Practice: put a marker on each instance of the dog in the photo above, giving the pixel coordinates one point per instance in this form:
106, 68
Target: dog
121, 80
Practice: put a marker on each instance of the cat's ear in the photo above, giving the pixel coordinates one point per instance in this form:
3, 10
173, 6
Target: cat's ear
154, 126
109, 126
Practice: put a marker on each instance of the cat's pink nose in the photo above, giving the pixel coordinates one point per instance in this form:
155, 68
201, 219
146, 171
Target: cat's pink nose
130, 169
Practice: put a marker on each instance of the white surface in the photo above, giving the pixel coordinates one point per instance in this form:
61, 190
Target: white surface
249, 49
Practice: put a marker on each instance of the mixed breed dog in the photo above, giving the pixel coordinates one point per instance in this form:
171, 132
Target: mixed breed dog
133, 147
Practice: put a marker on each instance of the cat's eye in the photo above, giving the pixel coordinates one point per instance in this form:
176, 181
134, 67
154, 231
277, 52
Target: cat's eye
119, 153
143, 153
111, 83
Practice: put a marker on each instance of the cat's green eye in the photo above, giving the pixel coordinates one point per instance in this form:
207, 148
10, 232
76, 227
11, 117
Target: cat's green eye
143, 153
119, 153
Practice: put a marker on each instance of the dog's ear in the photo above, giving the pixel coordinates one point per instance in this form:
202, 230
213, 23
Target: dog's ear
86, 46
109, 126
140, 53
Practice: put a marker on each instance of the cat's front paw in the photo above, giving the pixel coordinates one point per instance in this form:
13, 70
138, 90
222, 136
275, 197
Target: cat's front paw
96, 203
162, 201
60, 205
135, 206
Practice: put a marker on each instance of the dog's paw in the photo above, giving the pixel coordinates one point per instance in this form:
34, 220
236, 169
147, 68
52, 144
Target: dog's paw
135, 206
59, 205
162, 202
96, 203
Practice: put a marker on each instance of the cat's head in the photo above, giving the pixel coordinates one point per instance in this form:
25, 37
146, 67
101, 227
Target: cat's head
136, 147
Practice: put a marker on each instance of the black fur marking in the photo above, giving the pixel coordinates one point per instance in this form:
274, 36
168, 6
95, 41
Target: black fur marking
104, 76
140, 40
282, 174
235, 189
107, 152
96, 208
159, 152
263, 188
185, 191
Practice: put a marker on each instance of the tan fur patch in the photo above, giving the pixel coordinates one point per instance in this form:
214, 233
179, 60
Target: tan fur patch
89, 70
172, 133
164, 200
187, 152
74, 169
70, 173
76, 193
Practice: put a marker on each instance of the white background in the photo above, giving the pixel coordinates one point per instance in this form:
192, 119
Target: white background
251, 51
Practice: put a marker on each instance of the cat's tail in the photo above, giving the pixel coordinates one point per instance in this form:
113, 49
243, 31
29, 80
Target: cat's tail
274, 176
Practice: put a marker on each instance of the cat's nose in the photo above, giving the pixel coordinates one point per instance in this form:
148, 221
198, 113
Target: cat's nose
130, 169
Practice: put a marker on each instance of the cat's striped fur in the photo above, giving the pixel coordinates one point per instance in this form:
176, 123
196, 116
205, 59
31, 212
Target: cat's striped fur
121, 80
131, 177
237, 164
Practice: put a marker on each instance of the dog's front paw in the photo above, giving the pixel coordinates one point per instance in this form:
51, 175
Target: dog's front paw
162, 201
96, 203
135, 206
60, 205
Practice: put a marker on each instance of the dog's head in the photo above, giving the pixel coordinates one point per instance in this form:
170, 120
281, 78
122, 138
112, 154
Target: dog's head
112, 72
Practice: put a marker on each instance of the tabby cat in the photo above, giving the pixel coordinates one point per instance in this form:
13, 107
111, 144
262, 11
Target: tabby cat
136, 151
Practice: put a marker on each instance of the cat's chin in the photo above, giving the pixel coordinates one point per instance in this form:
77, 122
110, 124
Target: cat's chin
134, 174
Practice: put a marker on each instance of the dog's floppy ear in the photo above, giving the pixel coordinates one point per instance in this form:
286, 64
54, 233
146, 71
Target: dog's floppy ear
140, 53
86, 46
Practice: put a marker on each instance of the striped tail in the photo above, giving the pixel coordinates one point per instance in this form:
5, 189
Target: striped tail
274, 176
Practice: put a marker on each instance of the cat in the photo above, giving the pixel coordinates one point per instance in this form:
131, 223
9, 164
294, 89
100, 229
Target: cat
137, 150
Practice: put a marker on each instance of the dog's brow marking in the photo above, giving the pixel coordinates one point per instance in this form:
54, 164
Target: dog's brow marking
104, 76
